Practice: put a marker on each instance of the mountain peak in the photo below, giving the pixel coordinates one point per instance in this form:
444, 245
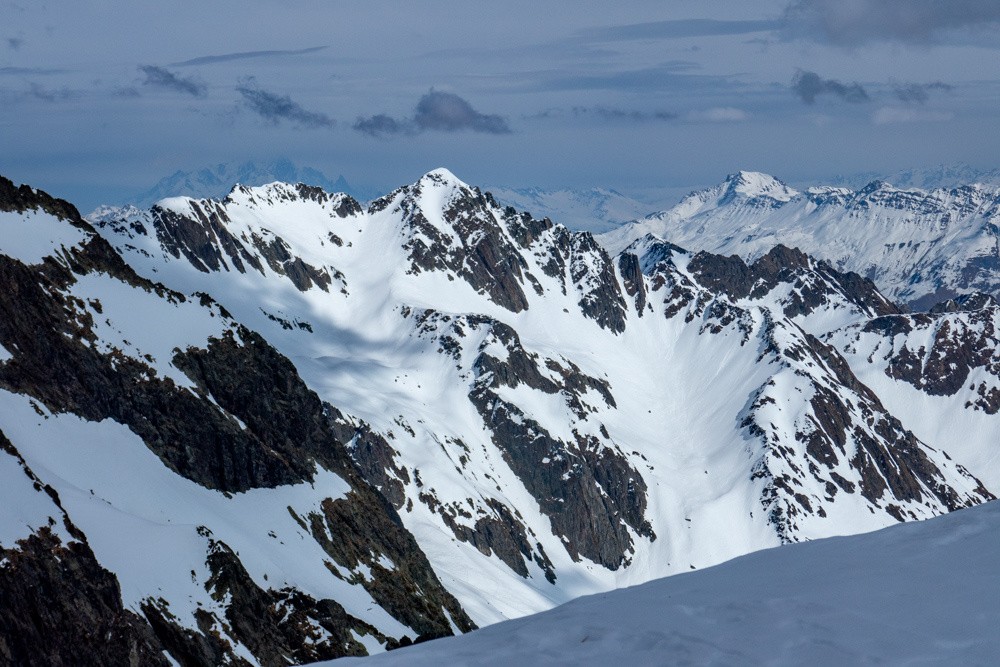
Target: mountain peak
443, 176
752, 184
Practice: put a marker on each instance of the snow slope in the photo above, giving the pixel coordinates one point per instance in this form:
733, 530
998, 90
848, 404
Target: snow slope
923, 593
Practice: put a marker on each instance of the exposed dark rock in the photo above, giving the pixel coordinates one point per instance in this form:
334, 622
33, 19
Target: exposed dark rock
503, 534
962, 341
482, 254
813, 282
204, 239
635, 286
278, 408
60, 607
281, 626
522, 227
593, 273
586, 488
846, 420
965, 302
278, 256
353, 534
376, 459
25, 198
195, 648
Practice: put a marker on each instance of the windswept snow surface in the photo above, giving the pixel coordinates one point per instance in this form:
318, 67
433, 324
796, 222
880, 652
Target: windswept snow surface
926, 593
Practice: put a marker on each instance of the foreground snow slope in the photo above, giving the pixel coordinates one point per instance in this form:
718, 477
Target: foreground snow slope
923, 593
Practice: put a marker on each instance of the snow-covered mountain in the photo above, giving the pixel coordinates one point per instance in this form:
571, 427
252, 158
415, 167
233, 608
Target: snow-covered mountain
594, 210
375, 424
217, 180
919, 247
925, 178
917, 594
515, 369
170, 485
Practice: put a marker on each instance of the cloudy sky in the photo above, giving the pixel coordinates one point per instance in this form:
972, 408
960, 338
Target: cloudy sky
101, 99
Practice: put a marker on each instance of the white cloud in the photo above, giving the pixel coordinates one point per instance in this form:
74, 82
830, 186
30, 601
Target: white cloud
719, 115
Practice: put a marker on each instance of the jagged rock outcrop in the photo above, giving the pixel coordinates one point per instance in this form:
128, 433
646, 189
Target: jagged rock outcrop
811, 284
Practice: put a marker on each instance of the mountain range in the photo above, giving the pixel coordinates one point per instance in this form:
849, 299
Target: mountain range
920, 247
282, 426
216, 180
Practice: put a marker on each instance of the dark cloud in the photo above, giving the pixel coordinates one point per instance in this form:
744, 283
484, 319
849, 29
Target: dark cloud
603, 113
381, 125
436, 111
159, 77
677, 29
15, 43
857, 22
809, 85
919, 92
245, 55
274, 108
124, 92
448, 112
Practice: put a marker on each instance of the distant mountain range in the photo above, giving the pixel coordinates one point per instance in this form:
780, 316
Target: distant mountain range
923, 178
216, 181
593, 209
919, 246
590, 209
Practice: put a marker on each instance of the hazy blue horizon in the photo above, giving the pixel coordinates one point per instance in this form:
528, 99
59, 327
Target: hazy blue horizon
100, 102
